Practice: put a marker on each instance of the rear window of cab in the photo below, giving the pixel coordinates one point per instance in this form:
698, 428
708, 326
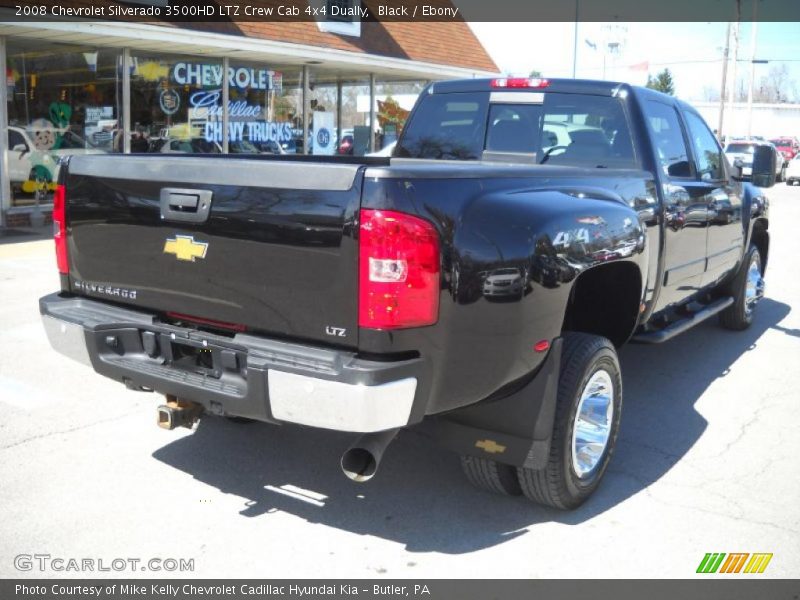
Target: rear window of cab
564, 129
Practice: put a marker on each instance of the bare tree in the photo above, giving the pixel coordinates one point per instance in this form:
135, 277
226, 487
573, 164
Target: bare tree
710, 93
776, 86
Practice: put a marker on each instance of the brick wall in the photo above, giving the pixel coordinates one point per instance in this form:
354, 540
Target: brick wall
24, 219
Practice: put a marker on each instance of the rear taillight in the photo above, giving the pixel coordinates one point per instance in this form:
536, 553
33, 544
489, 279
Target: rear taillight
60, 228
398, 271
520, 82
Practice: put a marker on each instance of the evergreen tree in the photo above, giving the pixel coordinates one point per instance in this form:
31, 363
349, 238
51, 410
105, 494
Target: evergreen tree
662, 82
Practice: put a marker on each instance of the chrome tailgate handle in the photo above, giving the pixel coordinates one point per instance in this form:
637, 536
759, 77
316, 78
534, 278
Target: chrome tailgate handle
187, 205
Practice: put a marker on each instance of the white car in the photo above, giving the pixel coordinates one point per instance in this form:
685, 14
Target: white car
27, 165
504, 282
793, 171
743, 150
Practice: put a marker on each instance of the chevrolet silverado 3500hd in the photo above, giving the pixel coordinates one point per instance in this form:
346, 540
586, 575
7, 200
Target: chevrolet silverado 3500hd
474, 286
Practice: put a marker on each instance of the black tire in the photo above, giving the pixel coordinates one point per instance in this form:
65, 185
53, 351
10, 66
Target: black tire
558, 484
490, 475
782, 175
738, 316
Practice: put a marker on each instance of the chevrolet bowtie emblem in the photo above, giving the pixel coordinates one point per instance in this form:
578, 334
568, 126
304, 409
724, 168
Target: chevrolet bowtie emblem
185, 248
490, 446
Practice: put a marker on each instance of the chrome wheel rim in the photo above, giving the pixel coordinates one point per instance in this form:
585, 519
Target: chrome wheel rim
754, 289
592, 426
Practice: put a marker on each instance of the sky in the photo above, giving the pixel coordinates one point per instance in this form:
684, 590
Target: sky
692, 51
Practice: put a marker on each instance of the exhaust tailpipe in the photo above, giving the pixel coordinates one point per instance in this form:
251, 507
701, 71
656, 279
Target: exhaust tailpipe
361, 461
178, 413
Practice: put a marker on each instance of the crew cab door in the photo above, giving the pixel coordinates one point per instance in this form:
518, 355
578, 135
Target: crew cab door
725, 238
685, 208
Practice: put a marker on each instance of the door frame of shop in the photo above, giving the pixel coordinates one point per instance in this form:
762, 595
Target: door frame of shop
5, 182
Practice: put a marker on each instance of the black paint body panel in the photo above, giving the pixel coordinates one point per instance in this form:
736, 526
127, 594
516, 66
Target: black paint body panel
515, 238
278, 261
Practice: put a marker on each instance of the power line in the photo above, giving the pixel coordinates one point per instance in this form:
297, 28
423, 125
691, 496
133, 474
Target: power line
703, 62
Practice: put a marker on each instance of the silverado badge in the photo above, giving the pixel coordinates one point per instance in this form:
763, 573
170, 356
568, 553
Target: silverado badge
185, 248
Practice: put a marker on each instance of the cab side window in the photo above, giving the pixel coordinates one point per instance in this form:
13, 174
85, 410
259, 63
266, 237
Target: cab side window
707, 149
15, 139
665, 129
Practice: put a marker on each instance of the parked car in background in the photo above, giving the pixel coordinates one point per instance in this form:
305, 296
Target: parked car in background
793, 171
199, 145
29, 167
347, 145
504, 283
271, 147
243, 147
787, 146
290, 146
743, 151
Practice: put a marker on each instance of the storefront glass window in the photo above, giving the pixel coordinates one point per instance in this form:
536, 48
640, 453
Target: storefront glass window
66, 99
355, 117
265, 110
176, 104
62, 100
322, 132
393, 103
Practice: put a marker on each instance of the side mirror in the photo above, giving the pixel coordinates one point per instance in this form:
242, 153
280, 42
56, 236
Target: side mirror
765, 163
20, 148
680, 169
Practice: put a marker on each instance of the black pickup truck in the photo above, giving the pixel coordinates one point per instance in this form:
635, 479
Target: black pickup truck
473, 287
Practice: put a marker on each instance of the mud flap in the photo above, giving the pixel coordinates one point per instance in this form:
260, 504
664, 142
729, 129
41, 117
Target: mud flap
514, 430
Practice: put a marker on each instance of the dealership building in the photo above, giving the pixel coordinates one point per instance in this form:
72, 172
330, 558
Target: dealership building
232, 87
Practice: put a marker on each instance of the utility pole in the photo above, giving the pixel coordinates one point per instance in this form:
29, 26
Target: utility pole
575, 44
5, 184
723, 87
753, 36
734, 91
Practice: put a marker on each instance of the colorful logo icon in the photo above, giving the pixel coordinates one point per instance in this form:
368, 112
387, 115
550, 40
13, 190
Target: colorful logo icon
170, 101
736, 562
323, 137
185, 248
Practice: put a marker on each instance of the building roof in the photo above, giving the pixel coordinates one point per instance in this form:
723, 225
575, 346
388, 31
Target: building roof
445, 43
389, 49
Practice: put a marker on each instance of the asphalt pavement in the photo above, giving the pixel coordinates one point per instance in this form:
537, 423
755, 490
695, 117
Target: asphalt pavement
707, 461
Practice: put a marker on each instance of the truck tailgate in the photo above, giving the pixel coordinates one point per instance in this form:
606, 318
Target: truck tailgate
265, 244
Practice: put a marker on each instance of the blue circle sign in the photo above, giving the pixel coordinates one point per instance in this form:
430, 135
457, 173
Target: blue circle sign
323, 138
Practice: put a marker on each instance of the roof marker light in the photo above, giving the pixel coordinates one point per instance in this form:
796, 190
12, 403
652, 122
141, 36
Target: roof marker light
520, 82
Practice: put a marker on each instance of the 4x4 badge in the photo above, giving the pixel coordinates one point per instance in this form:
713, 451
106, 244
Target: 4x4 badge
185, 248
